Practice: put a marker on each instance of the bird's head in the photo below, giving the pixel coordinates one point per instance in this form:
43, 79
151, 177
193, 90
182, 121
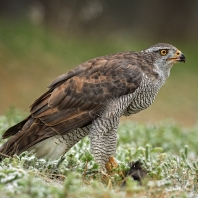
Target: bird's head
165, 56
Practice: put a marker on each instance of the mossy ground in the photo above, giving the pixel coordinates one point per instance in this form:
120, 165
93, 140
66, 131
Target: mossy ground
167, 152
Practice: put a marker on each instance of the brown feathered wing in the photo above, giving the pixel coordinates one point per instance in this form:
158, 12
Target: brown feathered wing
73, 100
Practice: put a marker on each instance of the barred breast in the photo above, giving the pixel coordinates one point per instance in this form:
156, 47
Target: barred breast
144, 96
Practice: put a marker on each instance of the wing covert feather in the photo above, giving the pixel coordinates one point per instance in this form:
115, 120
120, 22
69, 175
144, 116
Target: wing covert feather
94, 84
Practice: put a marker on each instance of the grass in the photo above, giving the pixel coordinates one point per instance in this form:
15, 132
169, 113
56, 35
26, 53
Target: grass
167, 151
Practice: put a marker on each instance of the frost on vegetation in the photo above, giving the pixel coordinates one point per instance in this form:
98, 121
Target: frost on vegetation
172, 166
10, 174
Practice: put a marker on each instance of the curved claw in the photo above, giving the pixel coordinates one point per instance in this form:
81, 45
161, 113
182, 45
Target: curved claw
111, 164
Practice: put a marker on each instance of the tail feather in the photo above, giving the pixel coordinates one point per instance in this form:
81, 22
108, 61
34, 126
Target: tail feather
24, 139
15, 129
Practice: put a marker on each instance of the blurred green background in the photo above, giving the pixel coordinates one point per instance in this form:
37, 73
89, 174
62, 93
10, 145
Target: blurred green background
41, 39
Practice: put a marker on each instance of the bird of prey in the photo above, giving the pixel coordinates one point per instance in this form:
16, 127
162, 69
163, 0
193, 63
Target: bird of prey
89, 100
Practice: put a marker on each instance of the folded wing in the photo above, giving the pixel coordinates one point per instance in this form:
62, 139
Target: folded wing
75, 99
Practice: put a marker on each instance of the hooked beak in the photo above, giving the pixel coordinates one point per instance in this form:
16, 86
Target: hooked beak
182, 58
178, 57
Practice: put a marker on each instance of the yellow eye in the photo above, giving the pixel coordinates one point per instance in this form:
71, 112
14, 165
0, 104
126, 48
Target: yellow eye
163, 52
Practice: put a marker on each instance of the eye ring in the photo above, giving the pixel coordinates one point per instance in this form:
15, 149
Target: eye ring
163, 52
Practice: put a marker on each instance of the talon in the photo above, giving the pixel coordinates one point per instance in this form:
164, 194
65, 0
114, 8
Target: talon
111, 164
105, 174
106, 178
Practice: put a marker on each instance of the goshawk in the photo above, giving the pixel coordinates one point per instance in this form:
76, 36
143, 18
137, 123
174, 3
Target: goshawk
89, 100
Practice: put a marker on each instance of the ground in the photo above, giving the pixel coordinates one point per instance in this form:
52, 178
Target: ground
167, 152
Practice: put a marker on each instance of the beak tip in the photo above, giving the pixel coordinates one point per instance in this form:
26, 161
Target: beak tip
182, 58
